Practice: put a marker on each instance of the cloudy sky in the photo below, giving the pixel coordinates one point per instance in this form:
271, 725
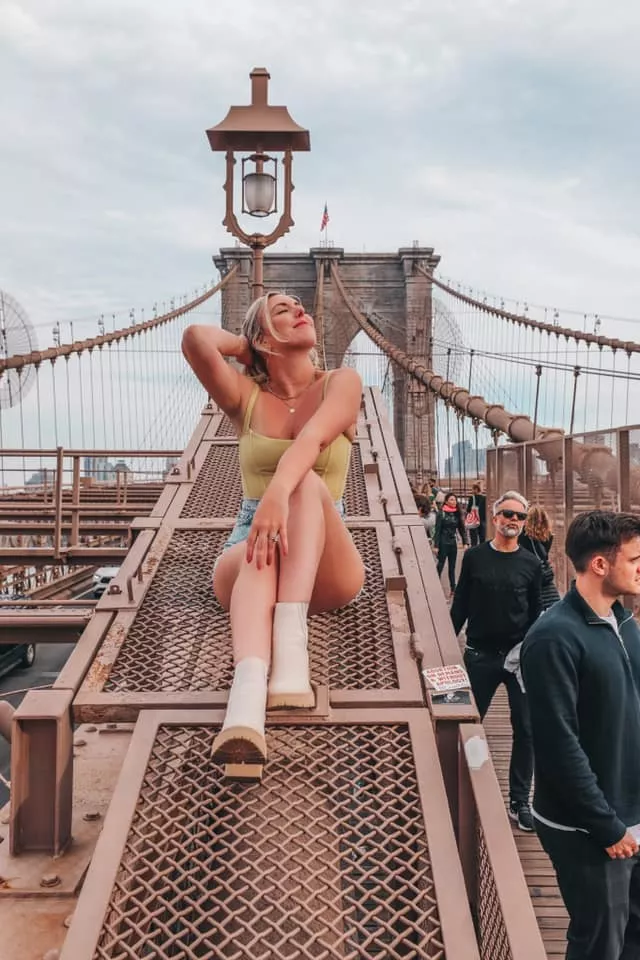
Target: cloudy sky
503, 133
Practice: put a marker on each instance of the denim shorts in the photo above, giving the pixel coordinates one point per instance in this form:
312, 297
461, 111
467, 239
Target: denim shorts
244, 520
245, 517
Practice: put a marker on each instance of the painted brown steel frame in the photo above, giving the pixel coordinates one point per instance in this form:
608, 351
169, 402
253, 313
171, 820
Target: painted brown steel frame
481, 807
571, 445
455, 919
92, 704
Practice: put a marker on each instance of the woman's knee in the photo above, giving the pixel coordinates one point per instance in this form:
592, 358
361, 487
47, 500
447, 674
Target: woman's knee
310, 488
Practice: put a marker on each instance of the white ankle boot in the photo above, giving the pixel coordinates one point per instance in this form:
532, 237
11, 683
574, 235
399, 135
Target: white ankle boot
241, 739
289, 681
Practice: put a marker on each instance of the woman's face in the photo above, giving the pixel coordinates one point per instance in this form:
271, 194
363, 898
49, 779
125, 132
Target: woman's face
289, 320
452, 501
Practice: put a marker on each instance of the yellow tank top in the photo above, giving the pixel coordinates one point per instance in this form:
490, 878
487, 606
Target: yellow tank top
259, 456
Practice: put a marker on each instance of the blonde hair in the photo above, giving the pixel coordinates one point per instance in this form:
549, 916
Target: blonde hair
258, 319
538, 525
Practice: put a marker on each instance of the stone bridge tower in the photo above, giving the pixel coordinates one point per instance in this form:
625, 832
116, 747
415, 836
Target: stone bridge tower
387, 287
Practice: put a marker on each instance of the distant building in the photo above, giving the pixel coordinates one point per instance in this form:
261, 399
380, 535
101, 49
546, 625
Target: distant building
463, 461
99, 468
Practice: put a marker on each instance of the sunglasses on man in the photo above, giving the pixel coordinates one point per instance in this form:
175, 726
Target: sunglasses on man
510, 514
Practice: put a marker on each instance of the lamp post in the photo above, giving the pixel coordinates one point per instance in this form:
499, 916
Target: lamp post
254, 130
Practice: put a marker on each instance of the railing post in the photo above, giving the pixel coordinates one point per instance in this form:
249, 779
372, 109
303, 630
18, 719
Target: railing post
467, 829
42, 773
567, 463
75, 501
624, 471
57, 531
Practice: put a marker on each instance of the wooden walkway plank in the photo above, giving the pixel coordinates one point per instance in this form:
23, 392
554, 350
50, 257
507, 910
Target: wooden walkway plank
538, 870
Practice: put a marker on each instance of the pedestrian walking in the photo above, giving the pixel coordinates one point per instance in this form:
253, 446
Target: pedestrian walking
581, 667
449, 525
538, 539
498, 597
476, 518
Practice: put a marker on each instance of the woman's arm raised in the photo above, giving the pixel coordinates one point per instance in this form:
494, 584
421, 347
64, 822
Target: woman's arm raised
206, 349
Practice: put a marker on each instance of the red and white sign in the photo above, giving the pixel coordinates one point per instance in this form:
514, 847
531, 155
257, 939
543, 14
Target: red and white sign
441, 679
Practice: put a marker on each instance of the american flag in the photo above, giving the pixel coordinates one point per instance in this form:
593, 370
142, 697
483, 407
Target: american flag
325, 219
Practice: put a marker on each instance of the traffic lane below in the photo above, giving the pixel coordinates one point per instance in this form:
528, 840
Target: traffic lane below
50, 659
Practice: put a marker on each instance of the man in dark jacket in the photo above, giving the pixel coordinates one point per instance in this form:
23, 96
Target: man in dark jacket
581, 667
498, 596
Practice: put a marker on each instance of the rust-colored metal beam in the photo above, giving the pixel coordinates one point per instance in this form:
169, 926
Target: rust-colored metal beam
42, 773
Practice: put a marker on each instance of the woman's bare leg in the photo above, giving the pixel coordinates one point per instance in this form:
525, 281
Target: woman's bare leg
249, 595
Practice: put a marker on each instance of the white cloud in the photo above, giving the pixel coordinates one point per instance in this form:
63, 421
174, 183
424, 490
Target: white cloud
499, 132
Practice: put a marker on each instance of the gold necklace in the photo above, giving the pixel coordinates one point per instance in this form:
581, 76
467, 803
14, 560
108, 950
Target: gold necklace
295, 396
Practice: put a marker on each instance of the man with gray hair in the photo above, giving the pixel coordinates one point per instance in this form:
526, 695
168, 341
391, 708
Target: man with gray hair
499, 597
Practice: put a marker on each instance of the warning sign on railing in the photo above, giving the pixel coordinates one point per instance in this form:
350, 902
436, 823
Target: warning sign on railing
442, 679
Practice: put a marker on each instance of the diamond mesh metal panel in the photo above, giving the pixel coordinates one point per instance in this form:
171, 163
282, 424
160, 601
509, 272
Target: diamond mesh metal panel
181, 641
356, 502
217, 491
225, 428
327, 858
492, 933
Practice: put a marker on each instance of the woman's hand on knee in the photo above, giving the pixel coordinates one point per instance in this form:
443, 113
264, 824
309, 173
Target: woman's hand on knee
269, 528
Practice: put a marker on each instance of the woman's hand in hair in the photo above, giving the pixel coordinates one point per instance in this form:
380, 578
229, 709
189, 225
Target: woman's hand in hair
269, 527
244, 353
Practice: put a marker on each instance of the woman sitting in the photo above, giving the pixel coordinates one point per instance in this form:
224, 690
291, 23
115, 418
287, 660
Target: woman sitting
289, 553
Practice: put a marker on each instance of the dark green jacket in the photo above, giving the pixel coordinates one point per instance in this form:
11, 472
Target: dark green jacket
583, 682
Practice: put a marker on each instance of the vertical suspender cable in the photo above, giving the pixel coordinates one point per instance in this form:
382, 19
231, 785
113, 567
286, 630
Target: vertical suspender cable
68, 386
576, 374
93, 401
535, 407
81, 411
626, 415
613, 387
55, 401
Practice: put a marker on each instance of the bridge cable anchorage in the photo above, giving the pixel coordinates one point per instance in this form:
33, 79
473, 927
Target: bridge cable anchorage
517, 427
19, 361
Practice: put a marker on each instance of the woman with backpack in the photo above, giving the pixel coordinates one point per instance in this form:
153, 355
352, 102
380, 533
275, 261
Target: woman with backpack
538, 539
449, 522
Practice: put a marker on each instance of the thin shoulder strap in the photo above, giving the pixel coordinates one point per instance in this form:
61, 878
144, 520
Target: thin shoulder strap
249, 409
325, 384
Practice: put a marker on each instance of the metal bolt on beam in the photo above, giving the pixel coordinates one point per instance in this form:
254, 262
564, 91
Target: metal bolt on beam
49, 880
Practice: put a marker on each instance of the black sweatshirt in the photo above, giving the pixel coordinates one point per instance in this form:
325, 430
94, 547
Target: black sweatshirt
498, 595
582, 683
448, 523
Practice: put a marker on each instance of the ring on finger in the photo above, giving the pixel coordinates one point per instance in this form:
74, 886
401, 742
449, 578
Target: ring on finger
274, 537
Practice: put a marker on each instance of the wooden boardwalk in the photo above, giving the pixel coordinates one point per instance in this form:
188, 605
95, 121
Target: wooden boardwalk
541, 880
